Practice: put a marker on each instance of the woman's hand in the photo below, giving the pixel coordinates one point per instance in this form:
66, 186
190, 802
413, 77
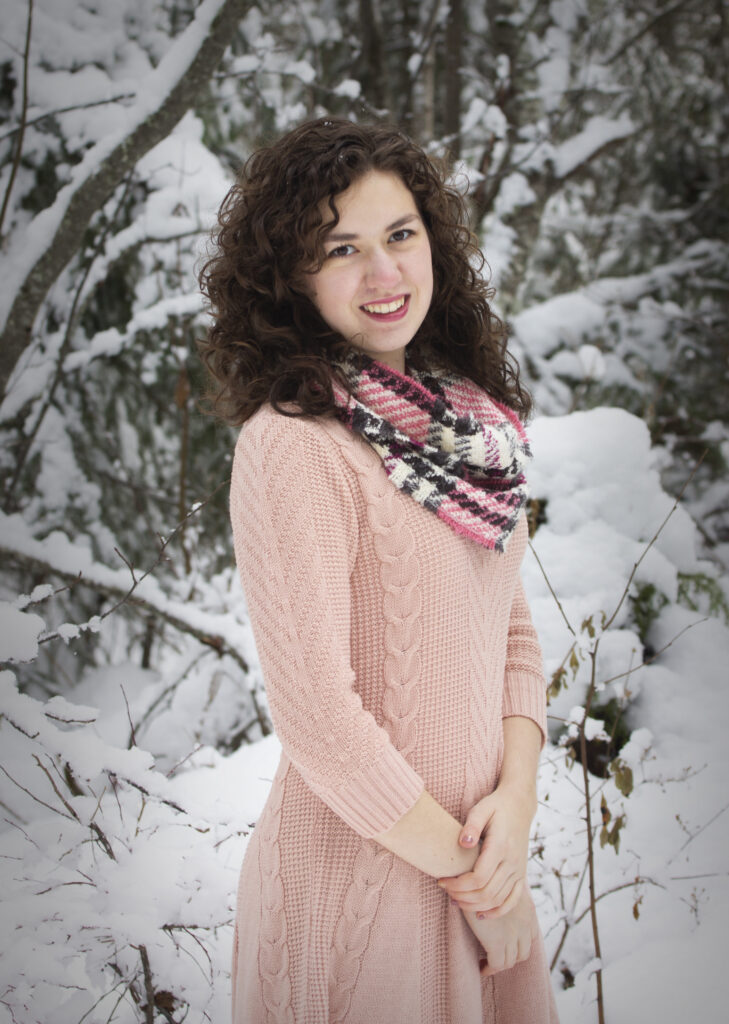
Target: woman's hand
498, 879
506, 940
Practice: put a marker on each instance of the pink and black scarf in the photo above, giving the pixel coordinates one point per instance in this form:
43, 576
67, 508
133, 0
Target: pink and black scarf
444, 442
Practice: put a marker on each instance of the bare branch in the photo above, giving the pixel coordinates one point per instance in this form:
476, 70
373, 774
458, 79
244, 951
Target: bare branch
37, 799
148, 986
656, 655
652, 541
551, 590
128, 595
55, 788
65, 110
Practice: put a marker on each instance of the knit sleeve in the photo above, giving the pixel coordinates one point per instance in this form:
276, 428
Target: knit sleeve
295, 532
524, 685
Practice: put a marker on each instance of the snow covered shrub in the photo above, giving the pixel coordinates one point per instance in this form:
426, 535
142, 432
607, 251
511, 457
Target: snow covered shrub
118, 882
629, 659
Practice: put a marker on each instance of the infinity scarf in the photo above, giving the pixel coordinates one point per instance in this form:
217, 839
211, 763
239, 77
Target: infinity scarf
444, 442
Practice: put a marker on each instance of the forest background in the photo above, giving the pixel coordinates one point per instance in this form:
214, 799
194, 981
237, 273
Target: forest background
135, 745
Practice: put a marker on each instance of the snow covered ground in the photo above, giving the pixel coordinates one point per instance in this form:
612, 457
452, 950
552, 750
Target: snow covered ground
114, 863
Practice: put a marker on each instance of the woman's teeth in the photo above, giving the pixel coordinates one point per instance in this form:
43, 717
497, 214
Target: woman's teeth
384, 307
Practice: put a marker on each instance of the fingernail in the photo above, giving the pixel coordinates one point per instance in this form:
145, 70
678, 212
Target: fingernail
467, 838
480, 915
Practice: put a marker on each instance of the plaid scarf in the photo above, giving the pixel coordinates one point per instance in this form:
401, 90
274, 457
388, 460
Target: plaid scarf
444, 442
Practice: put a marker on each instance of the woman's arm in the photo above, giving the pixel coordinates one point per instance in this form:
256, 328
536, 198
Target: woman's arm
495, 885
432, 840
427, 836
498, 879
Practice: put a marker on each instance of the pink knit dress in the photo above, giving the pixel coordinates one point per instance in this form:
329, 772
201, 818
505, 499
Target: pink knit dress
391, 648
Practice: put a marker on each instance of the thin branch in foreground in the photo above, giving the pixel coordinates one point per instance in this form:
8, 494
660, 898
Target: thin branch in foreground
148, 986
55, 788
703, 827
653, 540
37, 799
65, 110
655, 655
640, 880
551, 590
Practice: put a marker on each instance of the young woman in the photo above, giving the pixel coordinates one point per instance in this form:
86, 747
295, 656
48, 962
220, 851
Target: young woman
377, 503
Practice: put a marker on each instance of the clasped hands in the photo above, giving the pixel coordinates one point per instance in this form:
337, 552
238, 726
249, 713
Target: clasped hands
494, 894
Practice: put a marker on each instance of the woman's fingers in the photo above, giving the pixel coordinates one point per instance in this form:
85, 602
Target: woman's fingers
491, 897
477, 820
482, 874
471, 893
509, 902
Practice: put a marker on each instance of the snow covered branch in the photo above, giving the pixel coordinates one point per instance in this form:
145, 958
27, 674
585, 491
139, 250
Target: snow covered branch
162, 100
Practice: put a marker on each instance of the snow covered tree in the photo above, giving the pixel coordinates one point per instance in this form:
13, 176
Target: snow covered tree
593, 139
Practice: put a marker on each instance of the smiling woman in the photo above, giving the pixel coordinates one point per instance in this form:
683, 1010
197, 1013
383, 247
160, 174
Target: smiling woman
376, 282
377, 502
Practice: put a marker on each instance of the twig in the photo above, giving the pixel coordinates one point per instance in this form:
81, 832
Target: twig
703, 828
148, 986
23, 114
65, 110
132, 736
652, 541
551, 590
590, 836
55, 788
33, 796
655, 655
617, 888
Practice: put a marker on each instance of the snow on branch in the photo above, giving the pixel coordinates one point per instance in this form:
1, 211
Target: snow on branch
58, 556
598, 133
42, 251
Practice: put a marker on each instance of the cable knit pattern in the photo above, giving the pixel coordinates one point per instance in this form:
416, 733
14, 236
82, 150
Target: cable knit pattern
273, 953
391, 647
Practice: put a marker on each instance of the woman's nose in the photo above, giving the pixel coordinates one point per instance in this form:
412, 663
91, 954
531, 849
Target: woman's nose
382, 269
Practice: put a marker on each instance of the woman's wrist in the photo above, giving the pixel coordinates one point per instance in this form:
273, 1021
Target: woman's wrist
520, 792
427, 837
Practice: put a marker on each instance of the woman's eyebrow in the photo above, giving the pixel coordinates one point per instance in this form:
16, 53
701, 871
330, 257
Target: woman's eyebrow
338, 236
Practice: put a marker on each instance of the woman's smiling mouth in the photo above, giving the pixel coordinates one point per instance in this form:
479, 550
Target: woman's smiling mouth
393, 309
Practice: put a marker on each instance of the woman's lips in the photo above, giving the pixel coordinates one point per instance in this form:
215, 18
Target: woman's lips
396, 314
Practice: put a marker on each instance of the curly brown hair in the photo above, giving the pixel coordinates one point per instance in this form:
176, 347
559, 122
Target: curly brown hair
268, 341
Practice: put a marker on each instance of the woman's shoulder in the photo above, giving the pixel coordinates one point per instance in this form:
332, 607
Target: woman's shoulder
297, 448
268, 429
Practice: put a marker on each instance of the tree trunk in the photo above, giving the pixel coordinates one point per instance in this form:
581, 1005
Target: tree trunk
453, 55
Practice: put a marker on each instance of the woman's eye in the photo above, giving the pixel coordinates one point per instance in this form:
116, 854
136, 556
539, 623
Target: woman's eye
401, 234
341, 250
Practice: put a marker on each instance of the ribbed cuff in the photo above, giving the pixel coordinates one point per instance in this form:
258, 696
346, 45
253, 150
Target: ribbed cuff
379, 796
525, 696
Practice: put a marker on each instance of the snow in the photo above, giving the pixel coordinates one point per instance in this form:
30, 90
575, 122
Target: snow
598, 132
27, 247
19, 631
563, 320
178, 840
348, 87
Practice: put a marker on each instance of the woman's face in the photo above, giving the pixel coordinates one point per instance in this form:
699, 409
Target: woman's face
376, 282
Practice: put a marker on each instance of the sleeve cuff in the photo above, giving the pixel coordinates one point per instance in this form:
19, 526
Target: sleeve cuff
525, 696
379, 796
